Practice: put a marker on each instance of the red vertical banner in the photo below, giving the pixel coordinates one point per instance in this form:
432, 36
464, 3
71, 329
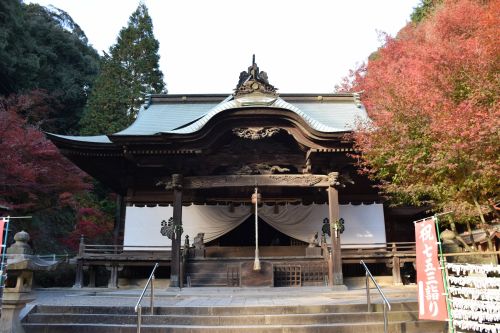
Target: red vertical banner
431, 297
2, 227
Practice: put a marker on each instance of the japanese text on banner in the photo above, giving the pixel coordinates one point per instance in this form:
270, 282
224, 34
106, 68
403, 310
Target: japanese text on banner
431, 299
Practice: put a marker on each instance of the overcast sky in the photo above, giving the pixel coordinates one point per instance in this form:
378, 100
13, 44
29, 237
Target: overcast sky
305, 46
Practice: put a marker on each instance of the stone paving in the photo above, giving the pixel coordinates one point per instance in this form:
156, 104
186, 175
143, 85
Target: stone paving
194, 297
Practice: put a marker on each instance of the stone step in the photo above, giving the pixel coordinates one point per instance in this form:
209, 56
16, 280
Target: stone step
229, 310
365, 327
288, 319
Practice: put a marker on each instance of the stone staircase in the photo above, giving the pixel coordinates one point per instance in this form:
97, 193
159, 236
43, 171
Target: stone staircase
339, 318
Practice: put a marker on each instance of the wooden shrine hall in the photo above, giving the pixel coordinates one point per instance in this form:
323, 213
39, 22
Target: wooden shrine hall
240, 190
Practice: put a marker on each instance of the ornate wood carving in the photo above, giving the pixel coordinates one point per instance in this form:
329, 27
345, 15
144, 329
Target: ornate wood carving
254, 81
251, 180
173, 183
333, 179
256, 133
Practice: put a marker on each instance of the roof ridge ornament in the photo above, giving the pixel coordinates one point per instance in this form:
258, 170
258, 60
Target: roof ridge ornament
254, 82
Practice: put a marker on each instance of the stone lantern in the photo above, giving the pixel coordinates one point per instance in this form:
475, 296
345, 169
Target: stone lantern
21, 263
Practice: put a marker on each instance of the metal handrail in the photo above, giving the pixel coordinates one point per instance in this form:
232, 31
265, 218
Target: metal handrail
386, 303
138, 307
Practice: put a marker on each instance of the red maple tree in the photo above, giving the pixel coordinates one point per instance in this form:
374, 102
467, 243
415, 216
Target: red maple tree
432, 94
33, 174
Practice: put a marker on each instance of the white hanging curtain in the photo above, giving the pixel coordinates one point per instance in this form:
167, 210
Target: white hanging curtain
297, 221
214, 221
364, 224
143, 224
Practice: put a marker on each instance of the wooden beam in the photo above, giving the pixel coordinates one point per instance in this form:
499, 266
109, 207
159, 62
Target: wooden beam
286, 180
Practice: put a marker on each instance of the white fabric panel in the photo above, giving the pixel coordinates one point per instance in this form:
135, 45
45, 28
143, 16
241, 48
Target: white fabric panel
143, 224
364, 224
142, 227
214, 221
298, 221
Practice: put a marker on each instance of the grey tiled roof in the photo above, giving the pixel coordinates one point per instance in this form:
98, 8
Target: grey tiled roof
338, 116
184, 118
93, 139
167, 114
162, 118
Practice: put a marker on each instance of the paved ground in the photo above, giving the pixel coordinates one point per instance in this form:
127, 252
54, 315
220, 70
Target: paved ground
219, 296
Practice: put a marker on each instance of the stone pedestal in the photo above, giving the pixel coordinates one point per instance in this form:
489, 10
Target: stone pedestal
12, 304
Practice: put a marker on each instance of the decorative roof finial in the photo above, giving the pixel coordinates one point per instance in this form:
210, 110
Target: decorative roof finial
254, 81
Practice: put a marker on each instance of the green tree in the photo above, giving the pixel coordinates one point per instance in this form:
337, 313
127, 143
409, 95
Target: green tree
129, 71
424, 9
44, 49
16, 58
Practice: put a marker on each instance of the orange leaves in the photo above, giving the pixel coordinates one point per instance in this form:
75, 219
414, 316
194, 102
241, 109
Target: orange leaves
433, 94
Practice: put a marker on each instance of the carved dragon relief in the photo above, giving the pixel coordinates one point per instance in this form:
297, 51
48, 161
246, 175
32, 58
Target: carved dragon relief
308, 180
256, 133
262, 180
259, 169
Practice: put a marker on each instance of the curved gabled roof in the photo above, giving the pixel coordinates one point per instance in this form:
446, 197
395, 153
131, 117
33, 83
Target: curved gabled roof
187, 114
84, 139
328, 116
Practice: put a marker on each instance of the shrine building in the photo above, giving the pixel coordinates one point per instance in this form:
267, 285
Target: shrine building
242, 189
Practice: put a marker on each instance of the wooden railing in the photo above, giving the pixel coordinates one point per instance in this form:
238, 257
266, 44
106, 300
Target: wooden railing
114, 257
381, 247
393, 254
91, 249
352, 253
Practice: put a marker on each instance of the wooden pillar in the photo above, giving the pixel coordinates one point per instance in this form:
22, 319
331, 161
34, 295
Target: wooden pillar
334, 215
113, 276
175, 264
91, 276
396, 271
79, 264
79, 274
119, 213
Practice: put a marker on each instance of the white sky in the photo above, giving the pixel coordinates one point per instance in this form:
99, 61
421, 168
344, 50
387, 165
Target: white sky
305, 46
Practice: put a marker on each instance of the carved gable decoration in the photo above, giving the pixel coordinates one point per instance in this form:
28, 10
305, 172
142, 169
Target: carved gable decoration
255, 82
256, 133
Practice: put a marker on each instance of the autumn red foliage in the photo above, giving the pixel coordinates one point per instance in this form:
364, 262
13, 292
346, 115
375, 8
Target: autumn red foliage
92, 223
432, 93
33, 174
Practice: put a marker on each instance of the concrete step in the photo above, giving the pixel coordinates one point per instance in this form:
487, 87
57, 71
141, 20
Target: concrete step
288, 319
348, 317
366, 327
228, 310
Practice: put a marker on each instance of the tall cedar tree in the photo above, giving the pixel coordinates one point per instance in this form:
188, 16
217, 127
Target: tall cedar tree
44, 49
433, 95
128, 72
